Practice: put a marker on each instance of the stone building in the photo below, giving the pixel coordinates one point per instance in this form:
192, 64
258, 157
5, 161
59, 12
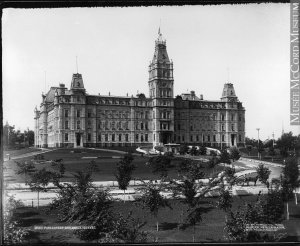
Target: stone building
73, 118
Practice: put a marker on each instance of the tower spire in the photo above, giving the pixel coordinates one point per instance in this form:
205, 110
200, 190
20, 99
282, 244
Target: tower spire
159, 27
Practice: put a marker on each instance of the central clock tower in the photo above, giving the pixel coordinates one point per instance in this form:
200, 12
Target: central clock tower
161, 91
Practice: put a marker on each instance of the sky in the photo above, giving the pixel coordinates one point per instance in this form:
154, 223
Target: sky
247, 45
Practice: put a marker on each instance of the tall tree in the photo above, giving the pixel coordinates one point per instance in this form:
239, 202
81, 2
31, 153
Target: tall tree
39, 180
234, 154
25, 168
249, 147
159, 165
152, 199
125, 167
202, 150
272, 152
225, 157
263, 173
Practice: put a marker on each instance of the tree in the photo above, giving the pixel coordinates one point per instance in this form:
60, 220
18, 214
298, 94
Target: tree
291, 173
194, 151
225, 199
183, 149
284, 153
152, 199
286, 141
260, 150
251, 213
12, 233
39, 180
214, 160
202, 150
289, 181
30, 137
249, 147
224, 157
263, 173
273, 207
234, 154
125, 168
82, 203
126, 230
93, 167
25, 168
159, 165
272, 152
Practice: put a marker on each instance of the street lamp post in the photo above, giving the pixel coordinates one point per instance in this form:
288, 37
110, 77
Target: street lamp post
258, 142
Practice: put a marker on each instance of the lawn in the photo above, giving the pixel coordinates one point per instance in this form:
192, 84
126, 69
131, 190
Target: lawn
17, 152
209, 230
73, 161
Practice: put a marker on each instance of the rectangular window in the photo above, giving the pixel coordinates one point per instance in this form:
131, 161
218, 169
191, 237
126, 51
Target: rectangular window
113, 137
182, 138
66, 113
78, 124
214, 137
120, 137
142, 126
66, 137
154, 137
66, 124
142, 138
137, 137
146, 137
203, 138
208, 138
191, 138
240, 138
99, 137
178, 127
191, 128
106, 137
89, 114
223, 138
126, 137
89, 137
178, 138
146, 125
197, 138
240, 118
78, 113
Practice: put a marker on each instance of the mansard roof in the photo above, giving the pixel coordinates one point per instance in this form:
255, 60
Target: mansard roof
50, 94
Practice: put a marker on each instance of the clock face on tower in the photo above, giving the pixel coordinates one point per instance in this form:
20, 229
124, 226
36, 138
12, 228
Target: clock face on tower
164, 84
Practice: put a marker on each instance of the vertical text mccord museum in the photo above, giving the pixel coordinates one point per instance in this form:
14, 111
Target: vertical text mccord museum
294, 61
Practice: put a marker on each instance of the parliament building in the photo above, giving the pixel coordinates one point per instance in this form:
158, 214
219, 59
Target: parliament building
73, 118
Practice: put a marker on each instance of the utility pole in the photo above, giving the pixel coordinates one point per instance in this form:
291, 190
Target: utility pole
258, 141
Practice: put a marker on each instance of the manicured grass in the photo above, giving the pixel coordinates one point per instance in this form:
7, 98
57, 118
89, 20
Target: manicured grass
17, 152
74, 161
209, 230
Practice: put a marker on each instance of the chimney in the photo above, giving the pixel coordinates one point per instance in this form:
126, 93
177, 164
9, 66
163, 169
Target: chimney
201, 97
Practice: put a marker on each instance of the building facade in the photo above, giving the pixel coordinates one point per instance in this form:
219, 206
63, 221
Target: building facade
72, 118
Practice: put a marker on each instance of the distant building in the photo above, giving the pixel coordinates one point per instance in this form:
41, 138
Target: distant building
72, 118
